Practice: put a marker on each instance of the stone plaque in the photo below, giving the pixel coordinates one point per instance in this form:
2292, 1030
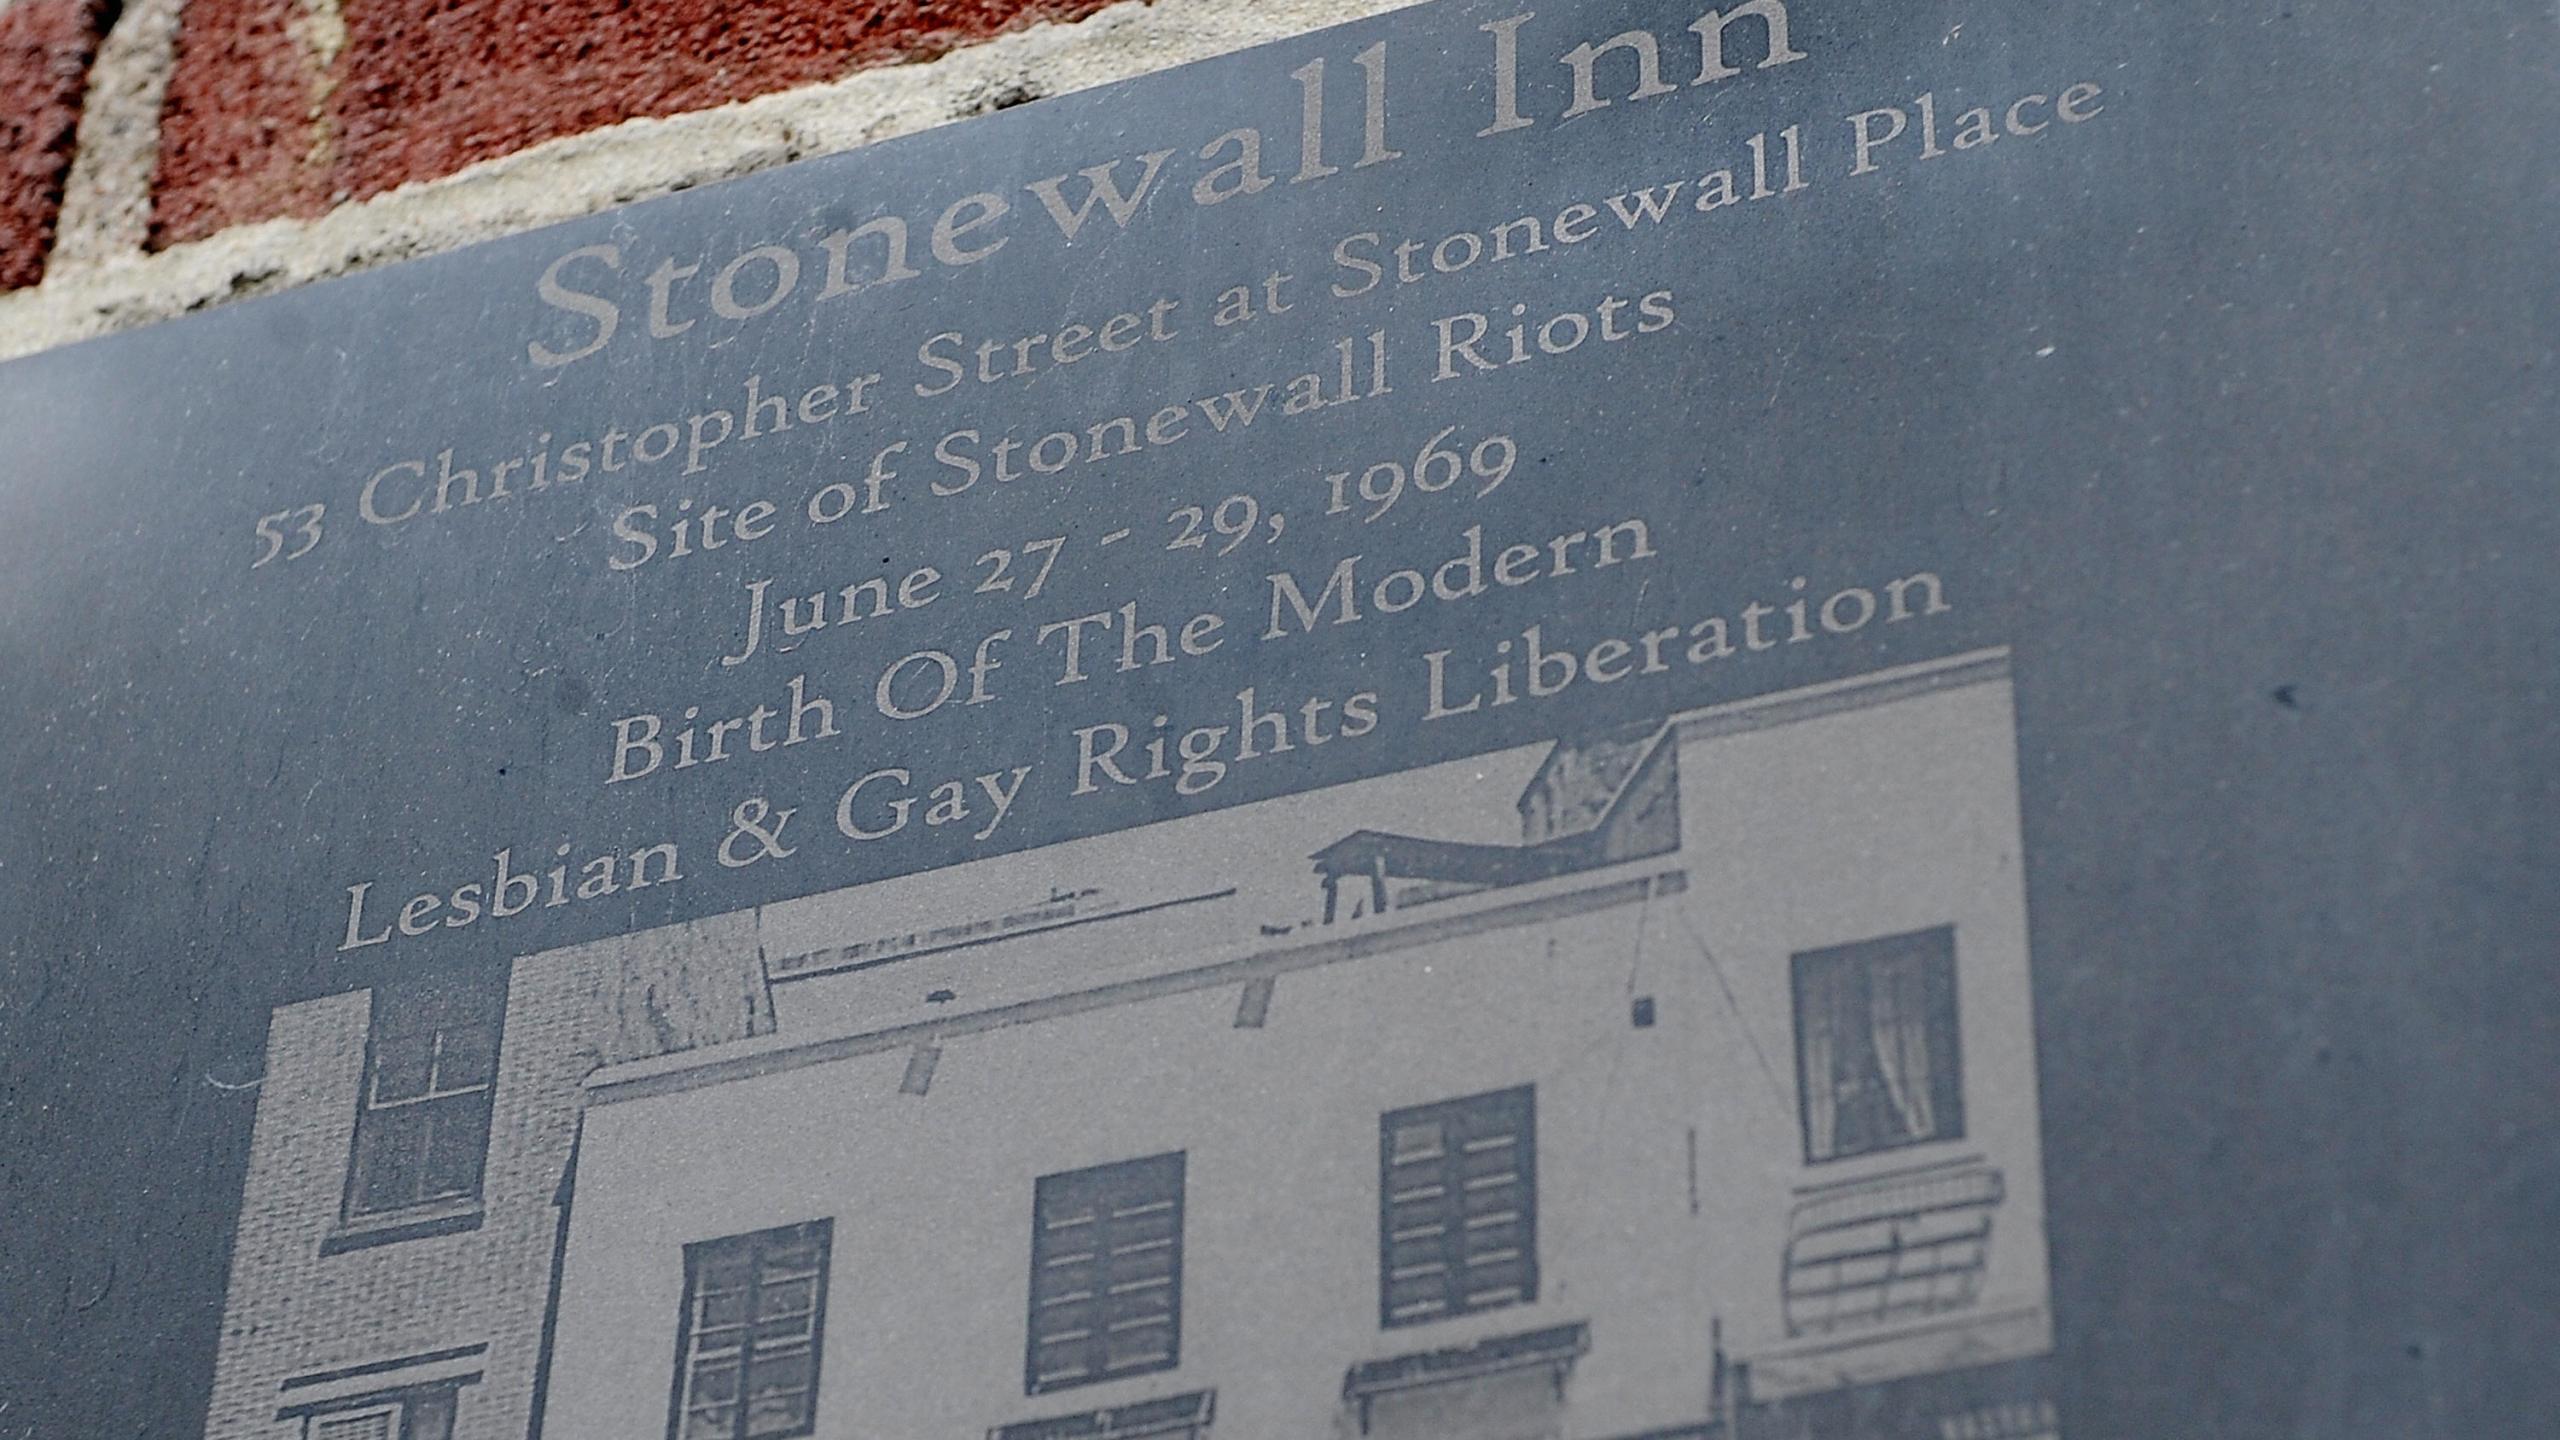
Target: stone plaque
1785, 718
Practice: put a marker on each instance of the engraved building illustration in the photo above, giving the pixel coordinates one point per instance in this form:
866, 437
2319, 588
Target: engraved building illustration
1701, 1103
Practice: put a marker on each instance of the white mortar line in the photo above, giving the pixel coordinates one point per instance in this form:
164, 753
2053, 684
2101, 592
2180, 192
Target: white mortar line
106, 200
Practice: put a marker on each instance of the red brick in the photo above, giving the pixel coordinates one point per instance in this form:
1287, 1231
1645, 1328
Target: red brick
45, 50
237, 137
255, 128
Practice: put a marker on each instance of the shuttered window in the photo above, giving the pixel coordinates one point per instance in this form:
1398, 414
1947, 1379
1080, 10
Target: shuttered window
1106, 1273
747, 1366
431, 1067
1457, 1207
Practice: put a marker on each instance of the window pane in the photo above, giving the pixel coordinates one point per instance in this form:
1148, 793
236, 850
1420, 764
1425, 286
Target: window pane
1420, 1140
468, 1055
721, 1309
715, 1382
402, 1066
717, 1422
458, 1138
430, 1415
796, 1255
790, 1297
730, 1267
390, 1145
780, 1374
373, 1424
773, 1335
778, 1414
1133, 1350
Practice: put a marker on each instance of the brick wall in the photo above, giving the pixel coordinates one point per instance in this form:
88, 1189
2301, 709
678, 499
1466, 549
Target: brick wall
295, 1309
158, 156
46, 47
283, 107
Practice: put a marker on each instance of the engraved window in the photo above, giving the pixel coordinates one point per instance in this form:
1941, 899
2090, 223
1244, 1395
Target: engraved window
747, 1343
1106, 1273
377, 1422
1877, 1060
431, 1065
1457, 1207
422, 1414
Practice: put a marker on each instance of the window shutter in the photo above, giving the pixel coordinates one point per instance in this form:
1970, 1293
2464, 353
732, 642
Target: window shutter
753, 1313
1106, 1273
1457, 1213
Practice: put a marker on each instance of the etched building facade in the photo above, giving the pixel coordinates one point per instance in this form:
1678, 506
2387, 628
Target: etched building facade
392, 1272
1705, 1107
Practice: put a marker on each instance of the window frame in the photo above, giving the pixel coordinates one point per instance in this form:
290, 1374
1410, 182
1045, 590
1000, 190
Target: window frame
489, 990
1944, 1020
1034, 1382
695, 1256
1521, 1104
